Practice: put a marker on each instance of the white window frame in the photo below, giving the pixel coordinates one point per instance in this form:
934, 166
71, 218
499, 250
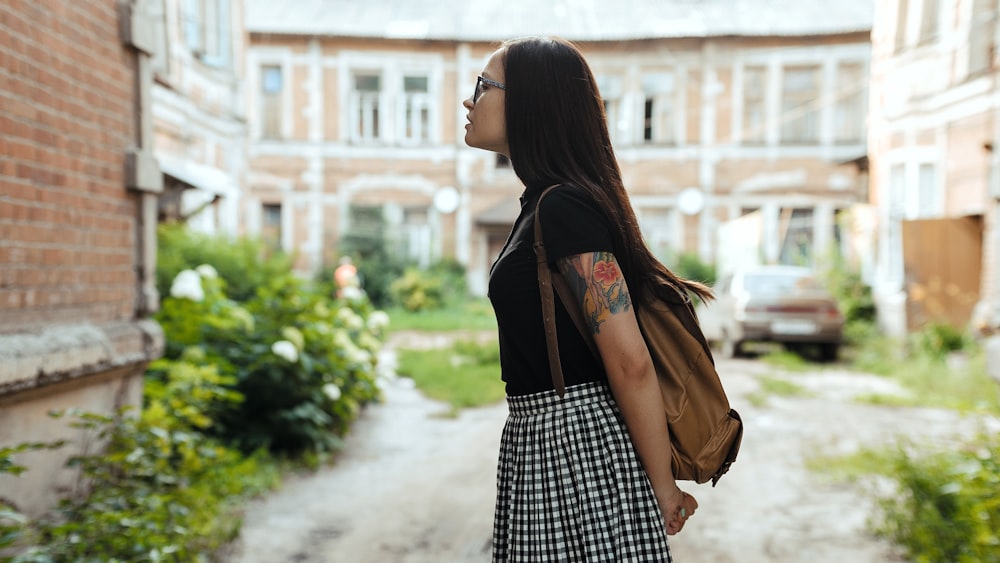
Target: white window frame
366, 119
208, 31
850, 109
278, 105
751, 135
412, 129
800, 114
659, 94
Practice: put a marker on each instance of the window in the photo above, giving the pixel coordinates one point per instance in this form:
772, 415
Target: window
928, 202
981, 45
611, 92
207, 30
902, 14
929, 21
364, 104
658, 225
271, 86
849, 110
754, 106
797, 246
270, 231
415, 124
416, 235
659, 109
799, 112
161, 56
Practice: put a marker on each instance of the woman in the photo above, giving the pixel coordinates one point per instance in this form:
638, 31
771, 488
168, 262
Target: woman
586, 476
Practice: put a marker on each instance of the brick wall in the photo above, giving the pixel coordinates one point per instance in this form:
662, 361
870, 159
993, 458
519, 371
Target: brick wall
67, 223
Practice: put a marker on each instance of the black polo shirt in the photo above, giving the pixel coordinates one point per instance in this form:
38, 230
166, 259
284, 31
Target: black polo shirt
571, 224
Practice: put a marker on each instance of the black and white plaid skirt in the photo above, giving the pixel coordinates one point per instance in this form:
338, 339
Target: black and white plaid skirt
570, 486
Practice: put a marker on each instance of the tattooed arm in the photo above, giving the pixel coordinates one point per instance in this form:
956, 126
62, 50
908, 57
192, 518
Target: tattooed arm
597, 282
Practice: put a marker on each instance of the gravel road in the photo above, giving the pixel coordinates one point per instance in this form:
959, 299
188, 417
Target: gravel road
413, 486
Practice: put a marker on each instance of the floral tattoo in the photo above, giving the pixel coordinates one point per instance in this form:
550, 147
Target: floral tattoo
598, 283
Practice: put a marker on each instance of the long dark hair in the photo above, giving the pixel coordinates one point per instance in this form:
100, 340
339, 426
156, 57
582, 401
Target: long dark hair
558, 134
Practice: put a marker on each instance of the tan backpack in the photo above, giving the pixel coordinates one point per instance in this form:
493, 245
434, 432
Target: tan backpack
705, 431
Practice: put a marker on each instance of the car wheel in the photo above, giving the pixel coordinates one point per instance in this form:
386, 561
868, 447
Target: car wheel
729, 348
829, 351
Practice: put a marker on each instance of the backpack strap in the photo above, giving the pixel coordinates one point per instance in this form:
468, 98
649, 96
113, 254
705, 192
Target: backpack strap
548, 302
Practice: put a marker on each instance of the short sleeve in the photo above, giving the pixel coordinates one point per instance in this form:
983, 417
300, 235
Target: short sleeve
573, 224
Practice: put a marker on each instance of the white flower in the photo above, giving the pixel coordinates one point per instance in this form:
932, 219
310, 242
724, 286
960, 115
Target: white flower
352, 293
187, 285
331, 391
207, 271
294, 335
243, 317
378, 320
359, 356
350, 319
286, 350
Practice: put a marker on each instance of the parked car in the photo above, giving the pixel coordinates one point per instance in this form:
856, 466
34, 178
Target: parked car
784, 304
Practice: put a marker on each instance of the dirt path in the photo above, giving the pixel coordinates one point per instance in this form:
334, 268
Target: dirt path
413, 487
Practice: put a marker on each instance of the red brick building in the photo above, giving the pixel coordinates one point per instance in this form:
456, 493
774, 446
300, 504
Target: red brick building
77, 225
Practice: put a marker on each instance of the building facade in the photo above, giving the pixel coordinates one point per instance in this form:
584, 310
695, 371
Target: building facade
116, 116
78, 202
935, 163
199, 112
358, 114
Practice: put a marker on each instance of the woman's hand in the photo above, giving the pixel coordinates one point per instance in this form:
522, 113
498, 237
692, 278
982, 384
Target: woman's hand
677, 508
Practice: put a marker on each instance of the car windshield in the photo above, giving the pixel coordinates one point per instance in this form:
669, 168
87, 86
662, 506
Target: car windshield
778, 282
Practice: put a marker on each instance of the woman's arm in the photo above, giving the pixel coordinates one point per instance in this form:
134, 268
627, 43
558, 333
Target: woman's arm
597, 281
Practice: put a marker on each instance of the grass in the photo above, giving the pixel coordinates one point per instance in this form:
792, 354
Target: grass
963, 386
474, 314
464, 375
775, 386
788, 361
851, 468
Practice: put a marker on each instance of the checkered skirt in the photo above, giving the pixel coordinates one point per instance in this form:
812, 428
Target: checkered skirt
570, 486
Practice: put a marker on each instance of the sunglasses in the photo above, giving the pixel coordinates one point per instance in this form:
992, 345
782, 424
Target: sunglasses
479, 87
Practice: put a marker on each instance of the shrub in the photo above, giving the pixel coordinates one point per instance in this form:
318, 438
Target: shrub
937, 340
417, 290
947, 507
152, 494
301, 363
373, 253
690, 266
244, 264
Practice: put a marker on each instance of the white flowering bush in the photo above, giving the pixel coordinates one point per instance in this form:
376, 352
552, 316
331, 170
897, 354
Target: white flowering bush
301, 360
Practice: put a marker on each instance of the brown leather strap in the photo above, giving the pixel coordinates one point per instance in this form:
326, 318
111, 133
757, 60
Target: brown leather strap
548, 303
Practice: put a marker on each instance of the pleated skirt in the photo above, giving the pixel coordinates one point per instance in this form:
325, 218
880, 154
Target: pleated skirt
570, 486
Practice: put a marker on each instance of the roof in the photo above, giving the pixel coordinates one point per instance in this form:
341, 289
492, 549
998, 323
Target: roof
579, 20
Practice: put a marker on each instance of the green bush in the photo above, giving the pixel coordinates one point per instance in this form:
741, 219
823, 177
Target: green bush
854, 298
947, 507
937, 340
439, 286
690, 266
244, 264
151, 494
301, 362
417, 290
373, 253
